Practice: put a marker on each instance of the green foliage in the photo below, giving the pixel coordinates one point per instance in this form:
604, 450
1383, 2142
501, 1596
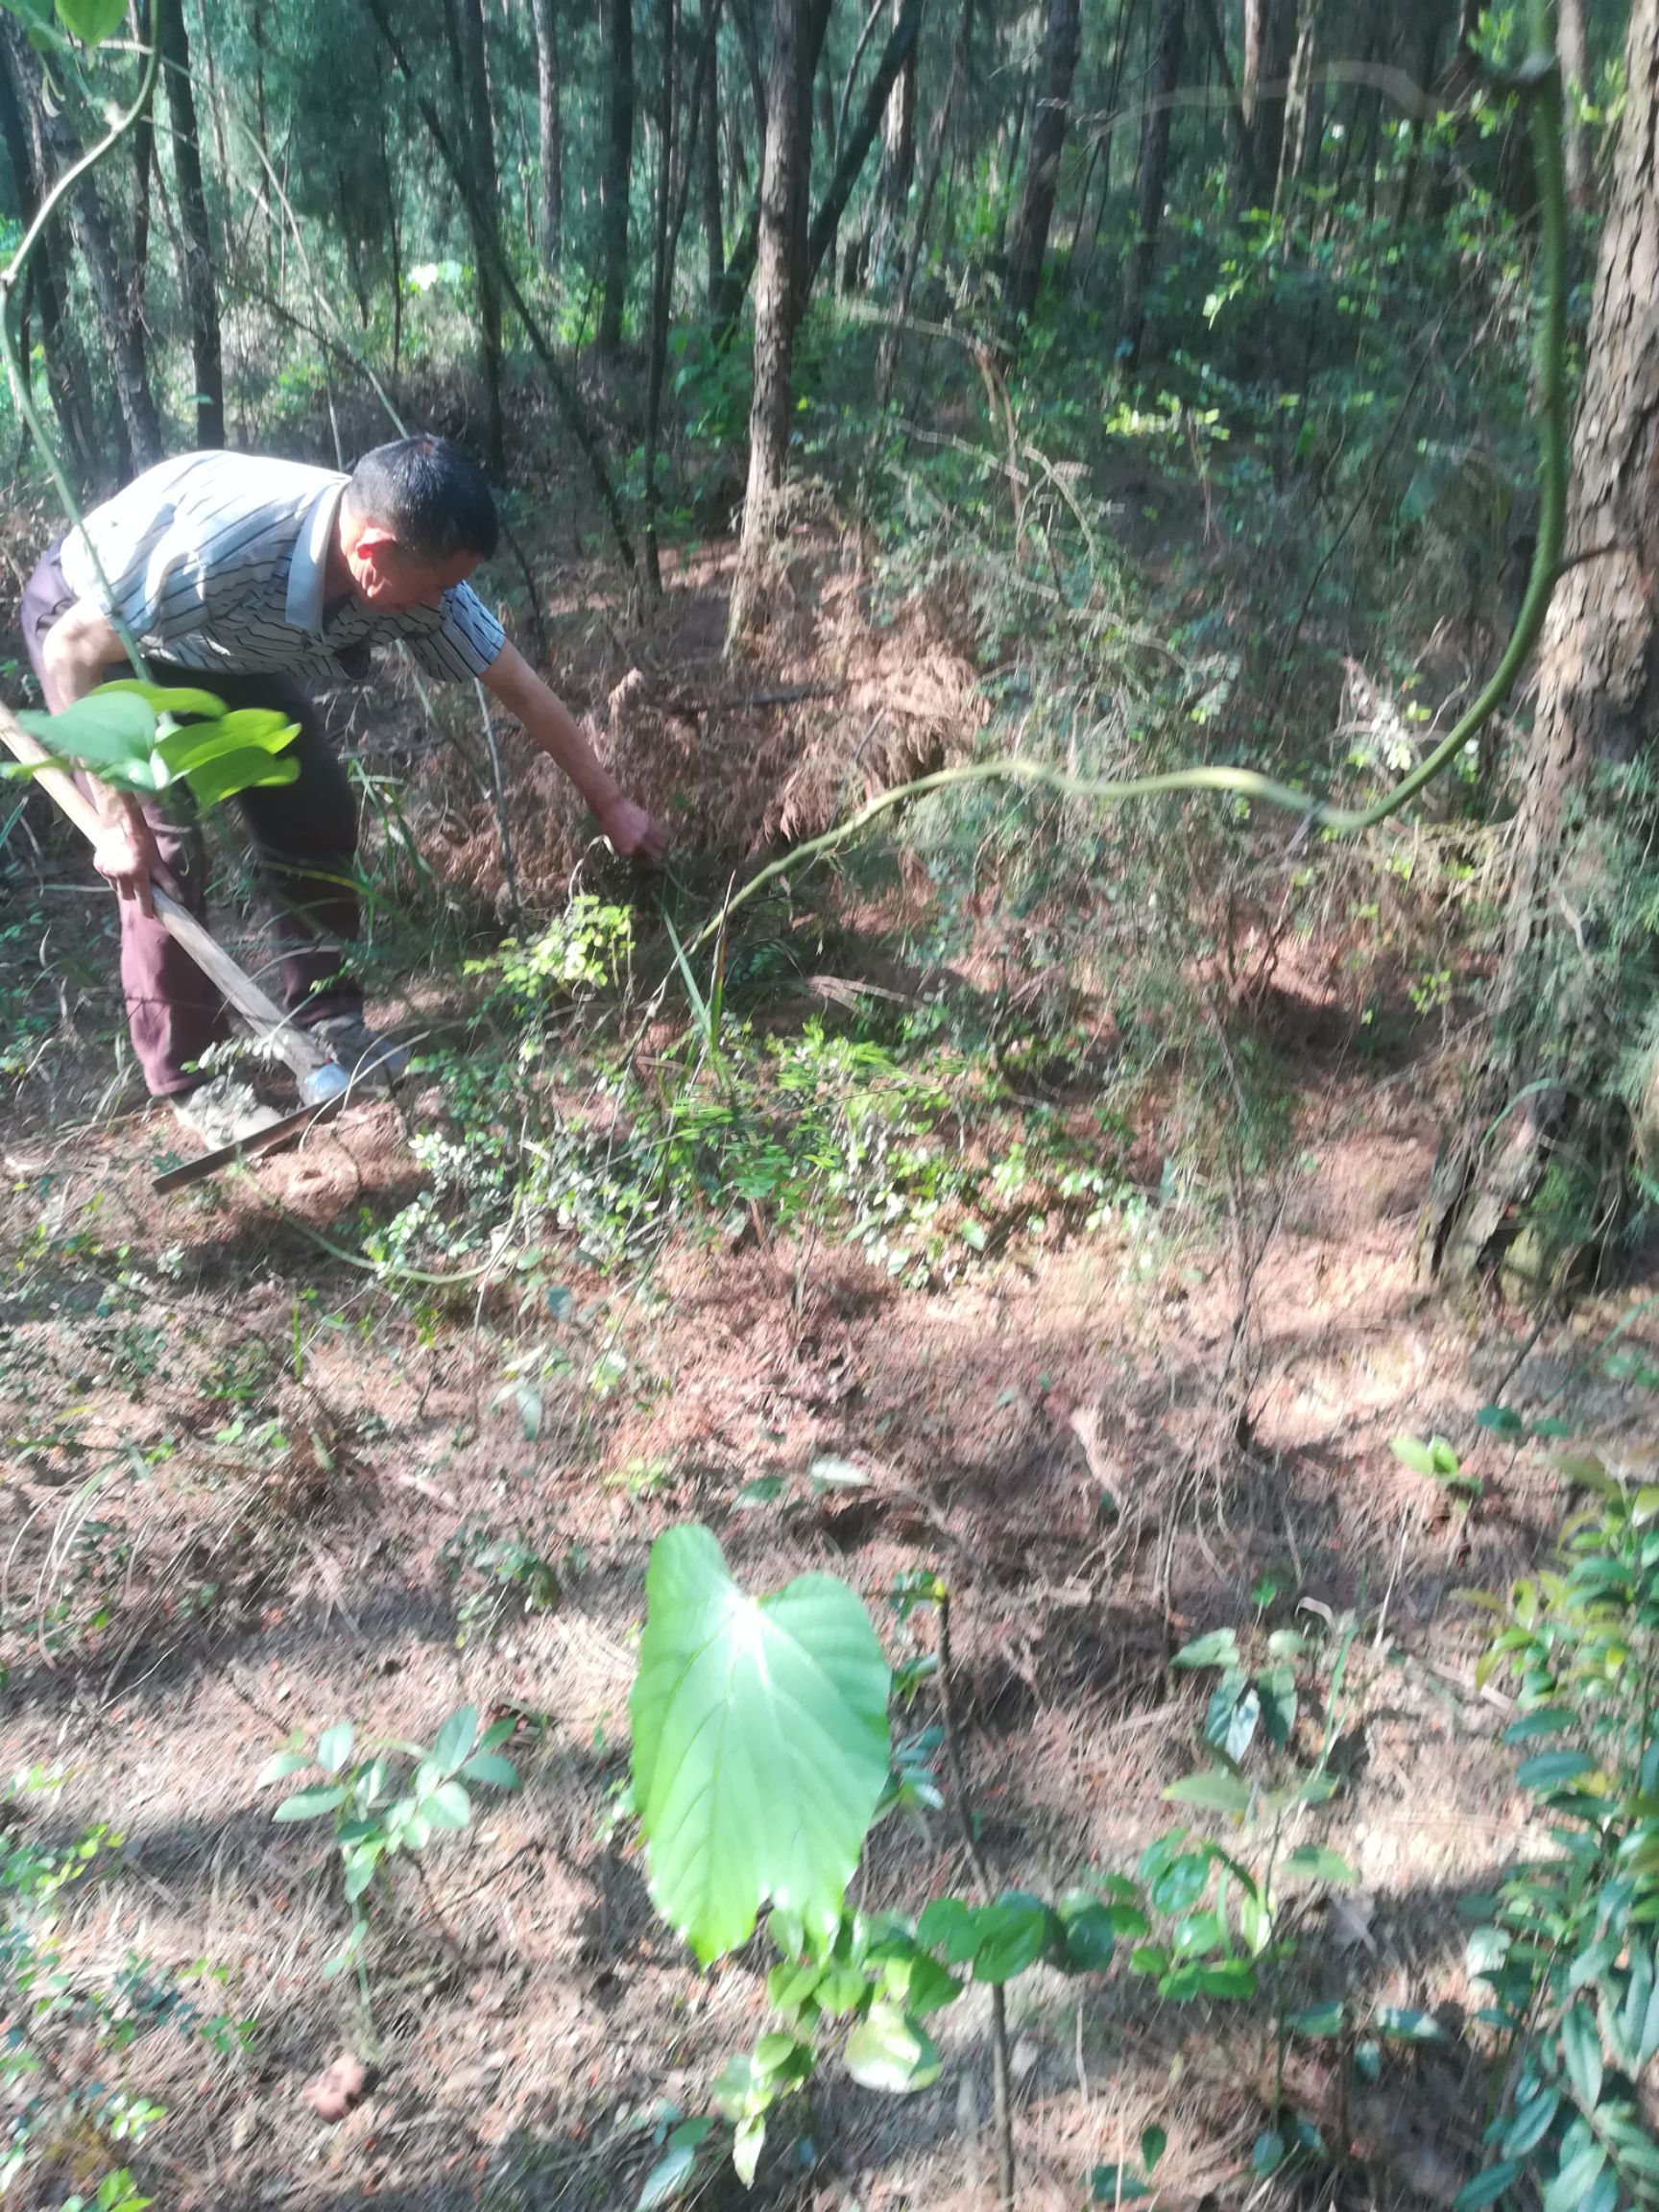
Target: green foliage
760, 1743
389, 1797
1566, 1946
495, 1574
70, 2027
129, 734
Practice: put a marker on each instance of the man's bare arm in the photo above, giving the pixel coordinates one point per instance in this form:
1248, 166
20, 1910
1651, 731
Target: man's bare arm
550, 724
77, 654
77, 651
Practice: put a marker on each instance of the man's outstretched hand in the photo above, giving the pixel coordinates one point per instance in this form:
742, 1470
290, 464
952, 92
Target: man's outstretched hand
633, 832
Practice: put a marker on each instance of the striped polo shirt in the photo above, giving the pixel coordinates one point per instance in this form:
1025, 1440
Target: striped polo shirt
216, 560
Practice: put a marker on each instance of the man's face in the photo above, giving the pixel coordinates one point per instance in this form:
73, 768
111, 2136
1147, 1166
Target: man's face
389, 579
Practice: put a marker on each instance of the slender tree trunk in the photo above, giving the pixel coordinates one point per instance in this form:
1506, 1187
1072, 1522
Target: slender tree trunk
782, 192
898, 155
662, 275
1293, 144
55, 149
1573, 45
465, 20
1154, 163
550, 173
1269, 42
1029, 243
713, 226
1533, 1180
1010, 136
886, 360
201, 291
617, 173
65, 371
898, 54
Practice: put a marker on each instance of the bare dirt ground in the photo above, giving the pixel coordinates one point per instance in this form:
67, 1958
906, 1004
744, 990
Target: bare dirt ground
239, 1473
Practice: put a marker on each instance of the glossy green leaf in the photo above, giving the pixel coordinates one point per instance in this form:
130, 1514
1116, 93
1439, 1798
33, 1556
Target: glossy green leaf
1550, 1769
1581, 2050
1011, 1934
1214, 1790
1154, 2141
1220, 1648
280, 1765
760, 1742
947, 1924
490, 1768
245, 770
249, 730
92, 21
1089, 1938
1182, 1882
455, 1738
334, 1746
1532, 2123
1488, 2187
448, 1806
310, 1804
888, 2050
1233, 1710
1315, 1863
1113, 2185
105, 730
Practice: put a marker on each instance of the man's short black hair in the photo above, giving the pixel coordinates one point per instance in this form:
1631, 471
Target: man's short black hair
425, 491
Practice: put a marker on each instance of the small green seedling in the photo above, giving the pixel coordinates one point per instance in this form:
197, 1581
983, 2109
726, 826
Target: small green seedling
1439, 1462
380, 1807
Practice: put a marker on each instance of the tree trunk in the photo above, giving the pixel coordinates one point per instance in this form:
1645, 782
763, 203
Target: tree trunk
1270, 39
1154, 163
1029, 243
782, 194
54, 150
1533, 1180
887, 357
550, 154
897, 56
661, 275
200, 292
616, 176
898, 154
478, 143
1572, 46
65, 371
713, 226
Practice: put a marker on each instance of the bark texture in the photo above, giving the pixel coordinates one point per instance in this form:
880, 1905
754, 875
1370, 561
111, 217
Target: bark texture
618, 168
1154, 166
201, 287
1029, 242
782, 194
1532, 1181
1572, 46
55, 148
479, 142
65, 371
550, 153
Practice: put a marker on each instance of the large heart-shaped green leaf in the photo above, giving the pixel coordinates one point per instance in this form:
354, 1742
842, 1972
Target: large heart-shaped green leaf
107, 729
760, 1742
92, 21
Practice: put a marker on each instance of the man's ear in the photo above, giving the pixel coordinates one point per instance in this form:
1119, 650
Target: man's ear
373, 539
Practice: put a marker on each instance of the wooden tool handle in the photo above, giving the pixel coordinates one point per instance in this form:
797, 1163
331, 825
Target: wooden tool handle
267, 1019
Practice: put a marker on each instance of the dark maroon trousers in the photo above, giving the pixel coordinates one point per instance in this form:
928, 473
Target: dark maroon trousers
305, 839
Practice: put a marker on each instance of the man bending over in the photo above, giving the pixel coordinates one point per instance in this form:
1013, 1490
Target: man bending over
255, 579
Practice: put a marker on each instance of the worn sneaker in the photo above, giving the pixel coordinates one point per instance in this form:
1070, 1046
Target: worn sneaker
357, 1059
223, 1112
